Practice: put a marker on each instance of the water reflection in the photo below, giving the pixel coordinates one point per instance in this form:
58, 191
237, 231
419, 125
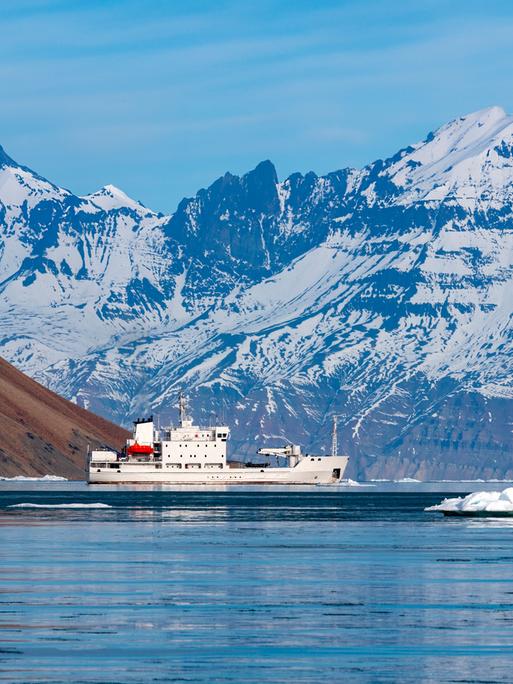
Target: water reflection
252, 587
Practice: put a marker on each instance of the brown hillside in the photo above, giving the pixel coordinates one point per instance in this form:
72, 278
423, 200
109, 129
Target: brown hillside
42, 433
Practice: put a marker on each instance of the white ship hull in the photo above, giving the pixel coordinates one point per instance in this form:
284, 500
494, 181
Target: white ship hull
189, 454
309, 470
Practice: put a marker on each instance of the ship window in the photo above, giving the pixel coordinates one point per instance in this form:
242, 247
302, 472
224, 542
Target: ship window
312, 459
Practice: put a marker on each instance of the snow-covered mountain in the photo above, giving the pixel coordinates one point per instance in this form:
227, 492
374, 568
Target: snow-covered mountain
384, 295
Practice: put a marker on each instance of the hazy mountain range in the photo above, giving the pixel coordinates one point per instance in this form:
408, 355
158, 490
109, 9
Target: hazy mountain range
382, 294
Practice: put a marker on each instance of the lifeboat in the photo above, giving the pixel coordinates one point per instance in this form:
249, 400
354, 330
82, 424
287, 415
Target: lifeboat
145, 449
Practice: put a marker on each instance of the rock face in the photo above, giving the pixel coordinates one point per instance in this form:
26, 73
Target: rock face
43, 434
382, 294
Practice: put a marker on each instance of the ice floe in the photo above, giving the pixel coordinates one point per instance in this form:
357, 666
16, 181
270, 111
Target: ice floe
478, 502
354, 483
403, 480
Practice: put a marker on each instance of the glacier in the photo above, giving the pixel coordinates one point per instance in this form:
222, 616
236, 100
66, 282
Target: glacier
381, 294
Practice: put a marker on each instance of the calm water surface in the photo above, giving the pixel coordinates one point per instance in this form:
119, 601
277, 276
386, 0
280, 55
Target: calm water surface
251, 586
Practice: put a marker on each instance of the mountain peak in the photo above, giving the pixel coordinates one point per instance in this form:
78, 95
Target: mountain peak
5, 160
479, 125
110, 197
467, 134
264, 170
494, 112
455, 156
112, 190
487, 115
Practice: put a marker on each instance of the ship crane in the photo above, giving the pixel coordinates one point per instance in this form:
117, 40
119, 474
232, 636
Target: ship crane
291, 451
276, 451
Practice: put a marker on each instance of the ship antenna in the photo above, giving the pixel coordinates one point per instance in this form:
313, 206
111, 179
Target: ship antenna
334, 438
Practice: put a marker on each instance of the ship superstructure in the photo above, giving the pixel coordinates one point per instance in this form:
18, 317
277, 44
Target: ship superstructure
190, 454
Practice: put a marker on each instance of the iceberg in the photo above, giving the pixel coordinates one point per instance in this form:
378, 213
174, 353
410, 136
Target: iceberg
478, 503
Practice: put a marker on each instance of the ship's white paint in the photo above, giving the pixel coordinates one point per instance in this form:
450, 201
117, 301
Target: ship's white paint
310, 470
190, 454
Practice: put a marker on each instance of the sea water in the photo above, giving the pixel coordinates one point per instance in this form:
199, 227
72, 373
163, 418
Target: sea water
311, 585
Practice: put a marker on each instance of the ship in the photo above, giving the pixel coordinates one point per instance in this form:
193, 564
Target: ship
188, 454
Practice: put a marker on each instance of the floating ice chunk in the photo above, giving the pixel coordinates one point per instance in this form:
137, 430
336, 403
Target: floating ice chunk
478, 502
65, 505
354, 483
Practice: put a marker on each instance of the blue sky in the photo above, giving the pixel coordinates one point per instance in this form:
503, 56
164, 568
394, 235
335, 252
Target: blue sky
161, 97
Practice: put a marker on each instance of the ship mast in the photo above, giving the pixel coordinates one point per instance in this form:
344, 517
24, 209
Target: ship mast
182, 407
334, 438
